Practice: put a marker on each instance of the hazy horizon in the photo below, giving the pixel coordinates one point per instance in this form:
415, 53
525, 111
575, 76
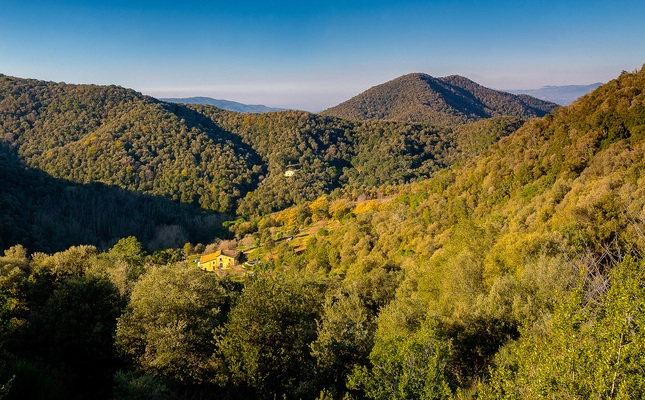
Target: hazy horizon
313, 55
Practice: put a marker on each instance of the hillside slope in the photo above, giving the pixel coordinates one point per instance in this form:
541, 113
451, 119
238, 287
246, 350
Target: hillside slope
108, 134
212, 159
571, 181
46, 214
446, 101
507, 253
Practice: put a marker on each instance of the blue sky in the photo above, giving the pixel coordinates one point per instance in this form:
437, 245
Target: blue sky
311, 54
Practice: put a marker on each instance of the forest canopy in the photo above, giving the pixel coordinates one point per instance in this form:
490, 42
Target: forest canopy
75, 156
516, 272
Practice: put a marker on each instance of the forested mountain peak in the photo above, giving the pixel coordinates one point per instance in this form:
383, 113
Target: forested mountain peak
446, 101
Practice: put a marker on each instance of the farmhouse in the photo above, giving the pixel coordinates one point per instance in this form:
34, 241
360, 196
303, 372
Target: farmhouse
219, 260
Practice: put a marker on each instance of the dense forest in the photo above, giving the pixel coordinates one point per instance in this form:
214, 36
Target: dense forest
448, 101
514, 272
331, 153
87, 133
110, 143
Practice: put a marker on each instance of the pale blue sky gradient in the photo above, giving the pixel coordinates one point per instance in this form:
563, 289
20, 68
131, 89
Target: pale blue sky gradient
312, 55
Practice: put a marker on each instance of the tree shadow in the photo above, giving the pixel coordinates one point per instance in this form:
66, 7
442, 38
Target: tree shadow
48, 214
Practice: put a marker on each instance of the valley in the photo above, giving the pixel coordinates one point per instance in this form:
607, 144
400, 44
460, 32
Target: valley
416, 250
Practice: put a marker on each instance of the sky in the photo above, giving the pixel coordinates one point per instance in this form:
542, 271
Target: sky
312, 55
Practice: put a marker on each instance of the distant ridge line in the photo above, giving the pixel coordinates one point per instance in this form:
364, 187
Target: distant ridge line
223, 104
563, 95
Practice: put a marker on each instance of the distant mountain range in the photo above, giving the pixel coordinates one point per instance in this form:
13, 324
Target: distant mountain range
563, 95
224, 104
447, 101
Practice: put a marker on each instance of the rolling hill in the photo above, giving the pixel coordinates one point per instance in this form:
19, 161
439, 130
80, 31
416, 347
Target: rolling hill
447, 101
206, 158
116, 136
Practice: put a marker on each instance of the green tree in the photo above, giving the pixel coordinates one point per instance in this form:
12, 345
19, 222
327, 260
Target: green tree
167, 327
345, 338
124, 264
77, 330
166, 257
129, 250
132, 386
406, 365
266, 342
14, 309
69, 263
13, 302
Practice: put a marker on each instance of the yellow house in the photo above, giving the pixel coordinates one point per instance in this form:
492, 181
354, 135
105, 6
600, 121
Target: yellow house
218, 260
